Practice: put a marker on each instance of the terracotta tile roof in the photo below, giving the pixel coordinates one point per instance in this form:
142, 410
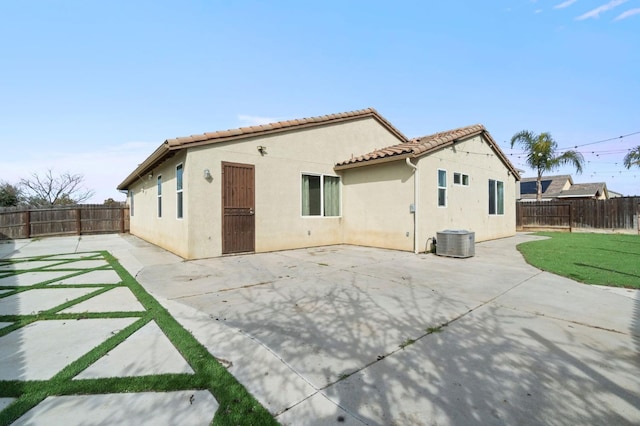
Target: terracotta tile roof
169, 146
280, 126
420, 146
416, 146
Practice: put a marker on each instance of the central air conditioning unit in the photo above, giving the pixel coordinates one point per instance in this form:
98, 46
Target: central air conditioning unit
456, 243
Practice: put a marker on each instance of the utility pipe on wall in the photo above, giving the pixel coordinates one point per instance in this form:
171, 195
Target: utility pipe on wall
415, 203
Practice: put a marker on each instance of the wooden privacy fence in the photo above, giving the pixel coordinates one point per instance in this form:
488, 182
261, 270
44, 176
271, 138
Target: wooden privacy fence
74, 220
615, 214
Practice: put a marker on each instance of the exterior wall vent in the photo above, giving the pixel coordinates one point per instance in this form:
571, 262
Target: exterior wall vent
456, 243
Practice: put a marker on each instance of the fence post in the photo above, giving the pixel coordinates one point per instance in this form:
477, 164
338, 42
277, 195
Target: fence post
27, 223
79, 221
122, 220
571, 217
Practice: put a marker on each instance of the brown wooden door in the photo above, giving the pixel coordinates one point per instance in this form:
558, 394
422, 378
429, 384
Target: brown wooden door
238, 204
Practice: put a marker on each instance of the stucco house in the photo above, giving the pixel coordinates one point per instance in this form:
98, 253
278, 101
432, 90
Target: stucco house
562, 187
348, 178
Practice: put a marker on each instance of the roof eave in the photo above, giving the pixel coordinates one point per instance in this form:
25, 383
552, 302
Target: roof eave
277, 128
501, 155
147, 165
381, 160
493, 145
577, 196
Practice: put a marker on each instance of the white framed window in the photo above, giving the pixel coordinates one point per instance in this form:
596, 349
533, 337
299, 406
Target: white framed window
320, 195
460, 179
442, 188
179, 191
160, 196
496, 197
131, 202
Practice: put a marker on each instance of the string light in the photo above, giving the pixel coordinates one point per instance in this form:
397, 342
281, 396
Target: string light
593, 143
601, 141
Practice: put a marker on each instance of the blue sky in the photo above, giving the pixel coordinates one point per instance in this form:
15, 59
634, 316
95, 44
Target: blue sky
93, 87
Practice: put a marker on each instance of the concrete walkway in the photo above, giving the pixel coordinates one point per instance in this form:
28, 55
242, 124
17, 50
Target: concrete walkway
355, 335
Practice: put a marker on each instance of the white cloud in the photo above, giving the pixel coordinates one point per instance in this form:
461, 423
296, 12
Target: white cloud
595, 13
627, 14
564, 4
252, 120
538, 11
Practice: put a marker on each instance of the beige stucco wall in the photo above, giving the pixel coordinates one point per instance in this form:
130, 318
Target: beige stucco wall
167, 231
377, 203
376, 199
467, 206
278, 175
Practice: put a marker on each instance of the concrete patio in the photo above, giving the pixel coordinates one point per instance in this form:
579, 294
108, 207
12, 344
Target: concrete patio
355, 335
316, 334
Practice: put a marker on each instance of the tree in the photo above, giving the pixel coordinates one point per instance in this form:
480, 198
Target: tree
632, 158
110, 202
543, 156
49, 190
10, 195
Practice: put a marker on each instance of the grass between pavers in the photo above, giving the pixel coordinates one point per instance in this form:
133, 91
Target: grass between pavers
604, 259
236, 405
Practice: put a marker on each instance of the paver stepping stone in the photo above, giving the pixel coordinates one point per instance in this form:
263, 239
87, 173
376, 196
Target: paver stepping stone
148, 351
119, 299
81, 264
33, 301
92, 277
4, 291
72, 256
22, 266
5, 324
190, 407
31, 278
41, 349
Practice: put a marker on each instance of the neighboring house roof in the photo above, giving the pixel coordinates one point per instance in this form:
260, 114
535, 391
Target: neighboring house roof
551, 186
170, 146
585, 190
418, 147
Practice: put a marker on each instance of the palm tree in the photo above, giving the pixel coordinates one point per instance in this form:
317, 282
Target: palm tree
543, 156
632, 158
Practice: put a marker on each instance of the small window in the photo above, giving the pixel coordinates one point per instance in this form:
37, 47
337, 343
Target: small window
179, 190
159, 196
130, 202
442, 188
320, 195
496, 197
460, 179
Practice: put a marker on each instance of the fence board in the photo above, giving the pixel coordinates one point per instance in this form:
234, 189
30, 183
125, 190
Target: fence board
82, 219
616, 214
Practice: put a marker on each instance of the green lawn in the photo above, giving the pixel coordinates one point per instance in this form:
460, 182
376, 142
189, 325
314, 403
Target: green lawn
605, 259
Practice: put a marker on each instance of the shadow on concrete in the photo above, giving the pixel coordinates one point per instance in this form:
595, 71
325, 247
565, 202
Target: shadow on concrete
363, 331
484, 368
